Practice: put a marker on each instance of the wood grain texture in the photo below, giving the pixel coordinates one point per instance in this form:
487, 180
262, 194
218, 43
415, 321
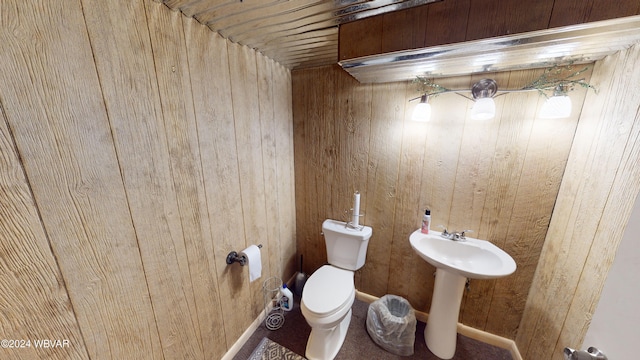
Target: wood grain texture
483, 176
624, 108
599, 187
246, 113
314, 198
395, 37
33, 296
174, 85
447, 22
360, 38
385, 143
491, 18
417, 38
54, 106
576, 11
353, 113
268, 141
301, 132
283, 108
122, 118
408, 207
214, 115
130, 90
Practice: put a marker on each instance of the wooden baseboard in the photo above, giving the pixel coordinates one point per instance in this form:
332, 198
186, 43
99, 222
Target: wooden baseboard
235, 348
465, 330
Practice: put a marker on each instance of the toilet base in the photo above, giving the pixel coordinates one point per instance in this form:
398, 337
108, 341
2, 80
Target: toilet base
325, 344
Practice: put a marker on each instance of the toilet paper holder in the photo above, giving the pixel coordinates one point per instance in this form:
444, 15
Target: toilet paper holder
235, 257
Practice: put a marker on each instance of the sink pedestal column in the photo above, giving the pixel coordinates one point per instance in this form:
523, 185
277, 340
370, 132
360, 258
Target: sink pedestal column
441, 331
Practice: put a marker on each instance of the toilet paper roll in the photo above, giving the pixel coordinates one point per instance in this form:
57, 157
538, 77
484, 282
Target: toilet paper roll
254, 261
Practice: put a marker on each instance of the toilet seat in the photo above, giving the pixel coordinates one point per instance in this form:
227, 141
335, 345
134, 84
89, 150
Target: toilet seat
328, 290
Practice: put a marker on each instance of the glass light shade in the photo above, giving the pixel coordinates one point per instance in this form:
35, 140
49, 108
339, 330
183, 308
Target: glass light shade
422, 112
483, 109
556, 107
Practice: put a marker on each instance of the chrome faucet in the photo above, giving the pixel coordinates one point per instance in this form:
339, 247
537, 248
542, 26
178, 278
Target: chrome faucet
454, 235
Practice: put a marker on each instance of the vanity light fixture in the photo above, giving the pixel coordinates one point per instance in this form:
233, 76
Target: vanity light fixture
484, 108
558, 79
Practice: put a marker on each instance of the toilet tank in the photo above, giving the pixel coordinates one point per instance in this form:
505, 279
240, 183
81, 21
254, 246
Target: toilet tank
346, 247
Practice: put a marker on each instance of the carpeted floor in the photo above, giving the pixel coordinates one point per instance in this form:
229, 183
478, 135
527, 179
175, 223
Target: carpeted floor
358, 344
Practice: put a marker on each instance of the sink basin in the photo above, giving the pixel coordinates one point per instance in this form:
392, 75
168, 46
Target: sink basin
471, 258
455, 262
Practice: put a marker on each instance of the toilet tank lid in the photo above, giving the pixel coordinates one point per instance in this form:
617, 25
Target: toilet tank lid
339, 227
328, 289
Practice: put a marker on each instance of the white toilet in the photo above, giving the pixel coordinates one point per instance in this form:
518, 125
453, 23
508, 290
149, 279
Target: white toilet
329, 293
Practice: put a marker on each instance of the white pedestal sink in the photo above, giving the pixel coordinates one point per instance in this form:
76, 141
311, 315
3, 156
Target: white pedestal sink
455, 261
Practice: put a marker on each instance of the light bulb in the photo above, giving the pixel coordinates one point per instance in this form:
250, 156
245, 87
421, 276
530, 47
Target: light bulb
556, 107
422, 111
483, 109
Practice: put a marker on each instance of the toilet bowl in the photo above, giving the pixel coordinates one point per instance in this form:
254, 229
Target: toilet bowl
330, 292
326, 306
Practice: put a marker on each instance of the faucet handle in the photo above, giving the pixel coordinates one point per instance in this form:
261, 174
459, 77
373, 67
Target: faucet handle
463, 232
446, 234
456, 235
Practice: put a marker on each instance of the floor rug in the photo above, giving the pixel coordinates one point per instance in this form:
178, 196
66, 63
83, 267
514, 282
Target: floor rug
271, 350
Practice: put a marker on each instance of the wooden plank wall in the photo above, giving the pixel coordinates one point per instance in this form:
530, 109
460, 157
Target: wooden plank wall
596, 198
451, 21
499, 178
138, 149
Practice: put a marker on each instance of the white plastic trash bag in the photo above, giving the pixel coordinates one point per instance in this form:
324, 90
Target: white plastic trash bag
391, 323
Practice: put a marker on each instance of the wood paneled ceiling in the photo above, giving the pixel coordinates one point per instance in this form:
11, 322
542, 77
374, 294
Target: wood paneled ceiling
295, 33
307, 33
